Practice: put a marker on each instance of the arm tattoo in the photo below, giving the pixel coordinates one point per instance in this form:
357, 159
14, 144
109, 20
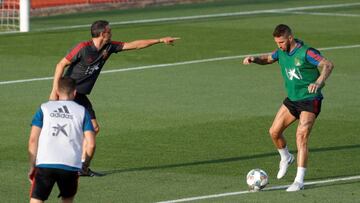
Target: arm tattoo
263, 60
326, 67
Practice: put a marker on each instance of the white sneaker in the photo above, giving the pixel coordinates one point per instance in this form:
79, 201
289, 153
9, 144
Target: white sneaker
296, 186
283, 166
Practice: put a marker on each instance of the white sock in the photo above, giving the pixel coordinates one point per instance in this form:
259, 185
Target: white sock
300, 174
284, 153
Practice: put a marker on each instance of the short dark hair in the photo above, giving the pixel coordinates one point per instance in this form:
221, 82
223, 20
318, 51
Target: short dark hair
67, 85
282, 30
97, 27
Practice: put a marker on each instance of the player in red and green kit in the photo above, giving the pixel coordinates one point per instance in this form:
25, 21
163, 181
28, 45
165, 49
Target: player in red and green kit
299, 66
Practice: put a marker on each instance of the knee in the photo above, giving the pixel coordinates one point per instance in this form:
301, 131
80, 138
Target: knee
302, 137
274, 133
302, 132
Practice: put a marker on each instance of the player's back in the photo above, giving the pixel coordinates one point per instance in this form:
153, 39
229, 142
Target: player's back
60, 142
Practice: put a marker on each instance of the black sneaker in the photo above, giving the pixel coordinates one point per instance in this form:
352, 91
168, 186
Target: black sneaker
89, 173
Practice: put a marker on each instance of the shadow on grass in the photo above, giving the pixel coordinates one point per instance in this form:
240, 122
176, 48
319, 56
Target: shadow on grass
225, 160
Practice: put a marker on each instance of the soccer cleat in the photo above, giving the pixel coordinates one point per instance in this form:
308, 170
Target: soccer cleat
283, 166
88, 172
296, 186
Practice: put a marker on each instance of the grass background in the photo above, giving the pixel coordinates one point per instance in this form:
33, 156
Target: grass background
189, 130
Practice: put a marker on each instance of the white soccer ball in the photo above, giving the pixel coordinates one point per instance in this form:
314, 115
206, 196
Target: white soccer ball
257, 179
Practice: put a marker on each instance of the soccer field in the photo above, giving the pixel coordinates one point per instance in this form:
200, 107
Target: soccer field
189, 121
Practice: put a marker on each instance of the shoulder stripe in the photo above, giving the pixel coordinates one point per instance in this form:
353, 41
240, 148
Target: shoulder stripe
314, 55
77, 48
117, 43
274, 55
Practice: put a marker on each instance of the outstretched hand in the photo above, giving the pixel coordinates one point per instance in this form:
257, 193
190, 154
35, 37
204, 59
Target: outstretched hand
168, 40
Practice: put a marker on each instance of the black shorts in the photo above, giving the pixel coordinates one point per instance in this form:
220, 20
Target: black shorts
296, 107
45, 179
85, 102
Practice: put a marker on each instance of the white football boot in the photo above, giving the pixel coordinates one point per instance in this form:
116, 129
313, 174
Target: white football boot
296, 186
283, 166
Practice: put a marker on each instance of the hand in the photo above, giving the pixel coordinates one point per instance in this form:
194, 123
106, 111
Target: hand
31, 174
53, 96
168, 40
249, 59
313, 87
85, 168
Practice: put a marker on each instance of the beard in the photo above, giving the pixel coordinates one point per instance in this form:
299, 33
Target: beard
288, 47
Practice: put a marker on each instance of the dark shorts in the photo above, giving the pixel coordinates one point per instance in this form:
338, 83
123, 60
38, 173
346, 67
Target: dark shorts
45, 179
296, 107
85, 102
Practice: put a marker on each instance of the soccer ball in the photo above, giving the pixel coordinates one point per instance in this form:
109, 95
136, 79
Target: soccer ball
256, 179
